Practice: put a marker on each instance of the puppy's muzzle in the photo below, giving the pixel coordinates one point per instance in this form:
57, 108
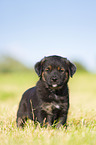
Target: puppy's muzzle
54, 79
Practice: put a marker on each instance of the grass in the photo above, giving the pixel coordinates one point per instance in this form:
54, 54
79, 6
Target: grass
81, 118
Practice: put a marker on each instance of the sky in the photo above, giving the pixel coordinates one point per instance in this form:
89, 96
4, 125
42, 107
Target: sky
32, 29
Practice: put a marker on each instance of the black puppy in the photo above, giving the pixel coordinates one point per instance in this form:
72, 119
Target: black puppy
48, 101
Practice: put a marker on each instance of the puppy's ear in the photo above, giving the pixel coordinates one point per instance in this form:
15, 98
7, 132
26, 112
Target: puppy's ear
72, 68
39, 67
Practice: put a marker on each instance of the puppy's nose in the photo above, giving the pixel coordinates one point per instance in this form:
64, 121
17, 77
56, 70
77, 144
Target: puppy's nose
54, 79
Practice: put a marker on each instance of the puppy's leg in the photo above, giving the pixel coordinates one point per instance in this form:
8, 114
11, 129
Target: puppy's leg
49, 119
21, 115
21, 121
61, 121
43, 118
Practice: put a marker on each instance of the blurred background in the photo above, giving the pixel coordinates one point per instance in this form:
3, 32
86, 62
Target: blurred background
32, 29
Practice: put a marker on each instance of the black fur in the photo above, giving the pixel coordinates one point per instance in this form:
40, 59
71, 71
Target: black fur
48, 101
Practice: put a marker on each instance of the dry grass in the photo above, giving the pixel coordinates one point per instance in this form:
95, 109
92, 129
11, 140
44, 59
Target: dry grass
81, 119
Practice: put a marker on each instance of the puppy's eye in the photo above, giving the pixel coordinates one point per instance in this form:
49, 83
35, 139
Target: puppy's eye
48, 68
61, 69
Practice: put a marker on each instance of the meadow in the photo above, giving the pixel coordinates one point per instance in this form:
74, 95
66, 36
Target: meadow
81, 121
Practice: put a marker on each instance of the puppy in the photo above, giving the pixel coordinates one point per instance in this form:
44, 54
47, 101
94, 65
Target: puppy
48, 101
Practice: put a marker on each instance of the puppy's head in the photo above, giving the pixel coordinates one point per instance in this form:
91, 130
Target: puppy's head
55, 71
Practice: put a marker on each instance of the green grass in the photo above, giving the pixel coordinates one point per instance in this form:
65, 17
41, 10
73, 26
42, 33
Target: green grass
81, 121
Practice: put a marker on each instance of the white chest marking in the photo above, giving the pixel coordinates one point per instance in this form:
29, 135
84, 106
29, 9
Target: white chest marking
57, 106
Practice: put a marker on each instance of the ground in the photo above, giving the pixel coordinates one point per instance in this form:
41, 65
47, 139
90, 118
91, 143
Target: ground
81, 121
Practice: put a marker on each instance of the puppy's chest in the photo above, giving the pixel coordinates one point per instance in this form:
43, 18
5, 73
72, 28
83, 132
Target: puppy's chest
54, 103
